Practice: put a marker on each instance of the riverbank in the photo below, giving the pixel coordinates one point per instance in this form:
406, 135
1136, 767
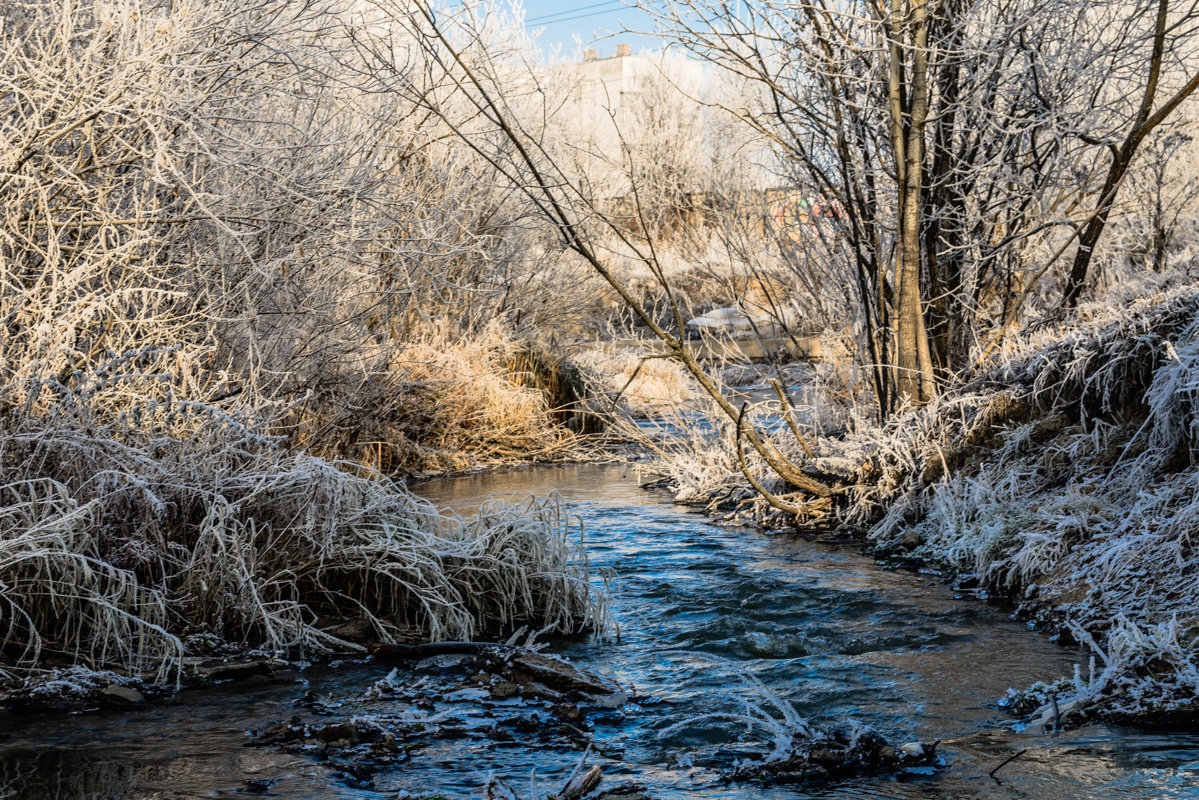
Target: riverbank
1062, 477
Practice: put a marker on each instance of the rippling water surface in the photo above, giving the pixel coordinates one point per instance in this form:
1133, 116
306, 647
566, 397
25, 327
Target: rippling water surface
825, 628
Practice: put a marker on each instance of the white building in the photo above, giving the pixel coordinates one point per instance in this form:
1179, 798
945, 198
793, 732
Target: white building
633, 109
616, 83
655, 111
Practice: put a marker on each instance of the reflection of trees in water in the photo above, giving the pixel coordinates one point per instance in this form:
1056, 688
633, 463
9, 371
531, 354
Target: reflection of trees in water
141, 770
65, 775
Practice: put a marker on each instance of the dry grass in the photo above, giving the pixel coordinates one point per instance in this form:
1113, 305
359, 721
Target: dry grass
440, 404
645, 386
217, 267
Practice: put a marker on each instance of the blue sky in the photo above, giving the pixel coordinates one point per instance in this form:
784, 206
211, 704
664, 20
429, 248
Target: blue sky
589, 19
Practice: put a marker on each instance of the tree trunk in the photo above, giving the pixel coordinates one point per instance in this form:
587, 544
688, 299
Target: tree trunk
1093, 230
913, 356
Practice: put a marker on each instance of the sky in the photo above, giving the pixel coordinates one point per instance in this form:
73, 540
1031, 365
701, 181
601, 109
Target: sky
589, 19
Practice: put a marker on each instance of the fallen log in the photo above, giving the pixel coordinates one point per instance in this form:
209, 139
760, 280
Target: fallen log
581, 785
520, 665
416, 652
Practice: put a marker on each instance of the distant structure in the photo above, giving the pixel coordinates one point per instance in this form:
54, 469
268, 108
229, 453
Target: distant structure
610, 85
650, 109
735, 322
647, 104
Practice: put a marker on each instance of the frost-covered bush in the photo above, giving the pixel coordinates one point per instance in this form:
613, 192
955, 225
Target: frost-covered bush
226, 191
224, 252
1080, 498
117, 543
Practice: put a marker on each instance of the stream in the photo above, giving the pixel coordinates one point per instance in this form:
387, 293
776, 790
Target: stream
698, 607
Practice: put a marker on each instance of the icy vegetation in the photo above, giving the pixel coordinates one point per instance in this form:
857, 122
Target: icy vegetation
798, 751
261, 260
121, 541
1079, 496
232, 313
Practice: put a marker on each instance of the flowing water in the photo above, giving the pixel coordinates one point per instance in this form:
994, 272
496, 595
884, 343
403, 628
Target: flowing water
698, 608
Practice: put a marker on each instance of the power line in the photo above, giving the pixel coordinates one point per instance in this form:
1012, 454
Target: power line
575, 10
580, 16
612, 5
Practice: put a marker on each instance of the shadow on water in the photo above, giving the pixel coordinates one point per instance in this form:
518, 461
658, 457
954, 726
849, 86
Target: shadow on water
826, 628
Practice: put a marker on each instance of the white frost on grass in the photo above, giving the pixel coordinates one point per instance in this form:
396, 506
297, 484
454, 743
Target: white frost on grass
759, 711
116, 543
1091, 499
75, 683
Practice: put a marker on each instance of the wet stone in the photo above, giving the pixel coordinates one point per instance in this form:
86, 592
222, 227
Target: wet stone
282, 732
257, 785
538, 690
122, 695
833, 755
503, 690
443, 663
624, 791
568, 712
525, 724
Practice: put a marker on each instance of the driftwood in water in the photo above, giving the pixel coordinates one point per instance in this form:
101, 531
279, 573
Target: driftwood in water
520, 665
581, 785
1007, 761
416, 652
576, 788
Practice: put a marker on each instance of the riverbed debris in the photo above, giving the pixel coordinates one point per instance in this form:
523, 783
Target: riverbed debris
77, 688
1007, 761
454, 690
579, 785
829, 755
800, 751
507, 668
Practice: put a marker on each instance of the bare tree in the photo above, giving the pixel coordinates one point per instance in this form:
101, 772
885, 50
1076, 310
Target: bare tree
1169, 47
1163, 190
991, 111
951, 137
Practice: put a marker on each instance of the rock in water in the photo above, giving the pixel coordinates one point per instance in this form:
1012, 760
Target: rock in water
842, 753
122, 695
502, 690
556, 673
